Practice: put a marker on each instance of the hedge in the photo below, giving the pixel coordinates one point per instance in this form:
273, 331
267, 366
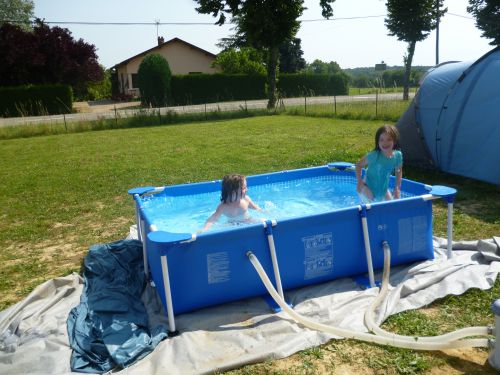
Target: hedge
301, 84
35, 100
210, 88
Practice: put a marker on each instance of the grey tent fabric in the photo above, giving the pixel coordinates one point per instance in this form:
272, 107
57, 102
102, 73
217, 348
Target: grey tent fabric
452, 123
109, 328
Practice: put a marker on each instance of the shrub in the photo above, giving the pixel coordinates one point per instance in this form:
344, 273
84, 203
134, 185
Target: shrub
35, 100
153, 79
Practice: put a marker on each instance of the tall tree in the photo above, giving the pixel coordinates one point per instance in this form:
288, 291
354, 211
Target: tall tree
46, 55
17, 12
487, 14
291, 60
411, 22
266, 23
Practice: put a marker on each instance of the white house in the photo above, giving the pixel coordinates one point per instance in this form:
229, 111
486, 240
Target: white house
182, 57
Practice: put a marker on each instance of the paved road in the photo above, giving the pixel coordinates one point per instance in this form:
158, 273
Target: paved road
112, 112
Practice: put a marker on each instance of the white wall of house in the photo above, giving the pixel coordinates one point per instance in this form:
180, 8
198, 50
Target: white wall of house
182, 59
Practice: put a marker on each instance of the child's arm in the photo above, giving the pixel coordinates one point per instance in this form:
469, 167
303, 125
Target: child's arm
397, 187
212, 219
252, 205
359, 166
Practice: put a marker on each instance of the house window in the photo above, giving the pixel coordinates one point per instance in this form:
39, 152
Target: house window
135, 83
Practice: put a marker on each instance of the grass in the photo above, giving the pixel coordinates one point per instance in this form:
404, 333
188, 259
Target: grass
387, 110
374, 90
63, 193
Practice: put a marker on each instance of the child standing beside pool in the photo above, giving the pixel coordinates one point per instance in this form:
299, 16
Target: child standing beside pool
381, 162
234, 201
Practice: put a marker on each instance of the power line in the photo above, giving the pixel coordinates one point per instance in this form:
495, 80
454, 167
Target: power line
157, 23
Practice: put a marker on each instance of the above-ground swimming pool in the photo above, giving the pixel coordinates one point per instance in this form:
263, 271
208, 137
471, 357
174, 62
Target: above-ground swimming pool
314, 228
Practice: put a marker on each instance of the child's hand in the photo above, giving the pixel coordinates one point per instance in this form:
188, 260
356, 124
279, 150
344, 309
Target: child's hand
359, 186
397, 193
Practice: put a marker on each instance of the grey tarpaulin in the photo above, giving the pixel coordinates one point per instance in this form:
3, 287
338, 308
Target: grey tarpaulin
33, 337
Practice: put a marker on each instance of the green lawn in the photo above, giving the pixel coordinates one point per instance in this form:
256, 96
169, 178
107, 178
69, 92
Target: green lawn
62, 193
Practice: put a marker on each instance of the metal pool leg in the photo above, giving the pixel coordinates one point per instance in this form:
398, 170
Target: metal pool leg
168, 295
138, 220
270, 239
494, 357
366, 237
449, 230
144, 251
447, 193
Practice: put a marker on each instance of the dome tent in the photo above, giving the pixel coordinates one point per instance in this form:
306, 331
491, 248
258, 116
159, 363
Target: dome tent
453, 123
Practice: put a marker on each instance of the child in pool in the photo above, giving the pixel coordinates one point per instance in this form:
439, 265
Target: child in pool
382, 161
234, 201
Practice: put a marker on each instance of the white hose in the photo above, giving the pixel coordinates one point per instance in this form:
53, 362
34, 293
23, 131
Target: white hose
408, 344
373, 327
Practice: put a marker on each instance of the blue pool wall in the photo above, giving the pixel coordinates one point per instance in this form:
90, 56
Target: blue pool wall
214, 268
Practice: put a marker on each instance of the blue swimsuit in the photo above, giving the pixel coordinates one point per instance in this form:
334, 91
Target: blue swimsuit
380, 168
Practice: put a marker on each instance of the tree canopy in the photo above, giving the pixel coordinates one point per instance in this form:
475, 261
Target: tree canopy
487, 15
320, 67
245, 60
411, 22
17, 12
44, 56
266, 23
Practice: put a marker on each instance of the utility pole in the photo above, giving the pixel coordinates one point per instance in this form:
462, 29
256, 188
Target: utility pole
437, 32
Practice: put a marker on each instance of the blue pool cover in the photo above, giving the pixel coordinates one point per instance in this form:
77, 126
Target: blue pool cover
109, 328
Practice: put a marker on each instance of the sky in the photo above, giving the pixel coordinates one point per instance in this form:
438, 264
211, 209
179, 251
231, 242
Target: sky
355, 37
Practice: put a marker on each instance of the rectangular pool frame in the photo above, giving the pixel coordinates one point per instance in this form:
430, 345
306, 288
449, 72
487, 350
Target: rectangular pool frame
194, 271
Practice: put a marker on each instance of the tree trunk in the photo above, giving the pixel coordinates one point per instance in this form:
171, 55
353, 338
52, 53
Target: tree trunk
408, 61
272, 65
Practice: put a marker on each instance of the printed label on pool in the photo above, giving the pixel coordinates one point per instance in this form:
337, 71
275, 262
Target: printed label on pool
318, 255
218, 267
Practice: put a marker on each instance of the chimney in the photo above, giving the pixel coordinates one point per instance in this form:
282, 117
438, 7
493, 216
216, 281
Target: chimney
160, 40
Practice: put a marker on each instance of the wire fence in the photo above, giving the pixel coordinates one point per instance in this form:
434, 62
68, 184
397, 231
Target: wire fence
379, 105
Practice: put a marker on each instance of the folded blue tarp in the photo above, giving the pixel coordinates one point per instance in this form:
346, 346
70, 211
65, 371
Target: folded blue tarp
109, 328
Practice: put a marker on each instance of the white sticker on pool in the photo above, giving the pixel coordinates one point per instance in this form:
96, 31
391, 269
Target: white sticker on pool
218, 267
318, 255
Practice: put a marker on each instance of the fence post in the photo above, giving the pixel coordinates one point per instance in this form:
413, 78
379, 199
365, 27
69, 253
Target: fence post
116, 117
335, 105
376, 103
305, 104
205, 109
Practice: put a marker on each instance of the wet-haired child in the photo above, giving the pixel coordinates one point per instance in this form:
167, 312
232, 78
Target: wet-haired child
234, 201
381, 163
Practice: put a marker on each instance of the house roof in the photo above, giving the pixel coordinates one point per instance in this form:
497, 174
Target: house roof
160, 46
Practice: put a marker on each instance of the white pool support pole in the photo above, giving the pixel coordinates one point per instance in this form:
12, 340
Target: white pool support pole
166, 288
138, 218
448, 194
494, 357
449, 230
268, 224
366, 237
144, 249
168, 293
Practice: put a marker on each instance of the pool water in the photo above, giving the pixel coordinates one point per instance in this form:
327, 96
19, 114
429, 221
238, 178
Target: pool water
279, 200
